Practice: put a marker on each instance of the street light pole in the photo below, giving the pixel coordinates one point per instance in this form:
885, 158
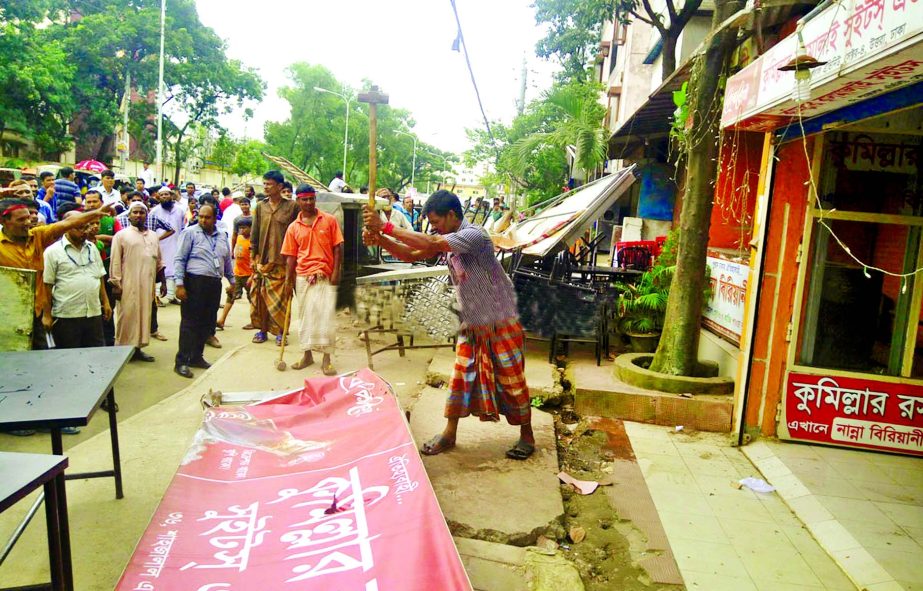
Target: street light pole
346, 132
413, 166
159, 162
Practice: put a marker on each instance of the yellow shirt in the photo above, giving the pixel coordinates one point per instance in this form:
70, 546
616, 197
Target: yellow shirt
31, 255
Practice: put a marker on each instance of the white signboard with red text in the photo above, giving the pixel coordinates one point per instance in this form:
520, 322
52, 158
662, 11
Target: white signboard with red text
320, 489
853, 412
724, 312
870, 46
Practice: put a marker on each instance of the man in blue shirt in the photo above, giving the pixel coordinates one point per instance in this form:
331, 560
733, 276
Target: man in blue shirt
65, 189
46, 193
202, 258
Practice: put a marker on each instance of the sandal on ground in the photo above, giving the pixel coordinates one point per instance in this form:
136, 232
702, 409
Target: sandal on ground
259, 337
248, 326
279, 340
301, 365
521, 451
329, 370
436, 445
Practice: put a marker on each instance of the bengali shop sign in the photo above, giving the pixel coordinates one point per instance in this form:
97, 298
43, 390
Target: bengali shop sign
319, 489
724, 312
853, 412
869, 46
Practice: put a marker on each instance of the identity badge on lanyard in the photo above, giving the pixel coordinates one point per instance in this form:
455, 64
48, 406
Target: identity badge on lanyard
214, 248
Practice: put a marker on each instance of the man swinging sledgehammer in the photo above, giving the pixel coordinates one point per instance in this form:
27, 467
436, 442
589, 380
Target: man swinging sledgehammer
488, 379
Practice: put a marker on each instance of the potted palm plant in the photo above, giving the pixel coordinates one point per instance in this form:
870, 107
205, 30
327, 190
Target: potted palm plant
641, 307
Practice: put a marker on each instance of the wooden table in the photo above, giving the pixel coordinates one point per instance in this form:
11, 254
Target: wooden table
20, 474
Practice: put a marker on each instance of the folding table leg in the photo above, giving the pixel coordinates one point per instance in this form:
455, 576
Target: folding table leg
64, 526
55, 561
368, 347
114, 436
57, 448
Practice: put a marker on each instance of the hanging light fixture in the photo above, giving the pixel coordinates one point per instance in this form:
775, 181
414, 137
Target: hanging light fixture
801, 64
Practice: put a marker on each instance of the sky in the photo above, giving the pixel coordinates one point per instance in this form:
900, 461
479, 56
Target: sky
404, 46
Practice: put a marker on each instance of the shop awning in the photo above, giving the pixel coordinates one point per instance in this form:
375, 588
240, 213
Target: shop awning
564, 222
653, 118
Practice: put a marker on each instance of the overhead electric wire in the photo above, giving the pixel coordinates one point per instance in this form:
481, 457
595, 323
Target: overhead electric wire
474, 83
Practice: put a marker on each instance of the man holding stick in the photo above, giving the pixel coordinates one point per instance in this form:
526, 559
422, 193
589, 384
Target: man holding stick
313, 250
488, 379
270, 221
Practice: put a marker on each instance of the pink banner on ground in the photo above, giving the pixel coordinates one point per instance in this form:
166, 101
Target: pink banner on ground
317, 489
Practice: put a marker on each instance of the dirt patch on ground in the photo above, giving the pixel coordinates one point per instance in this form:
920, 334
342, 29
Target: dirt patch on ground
607, 557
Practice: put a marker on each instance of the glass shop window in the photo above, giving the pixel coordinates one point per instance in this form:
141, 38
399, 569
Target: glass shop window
855, 318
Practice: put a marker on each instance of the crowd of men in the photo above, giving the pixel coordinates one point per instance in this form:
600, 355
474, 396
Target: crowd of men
105, 260
103, 250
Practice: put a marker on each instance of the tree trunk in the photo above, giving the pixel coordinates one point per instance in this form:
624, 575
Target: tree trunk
677, 353
176, 161
105, 149
668, 54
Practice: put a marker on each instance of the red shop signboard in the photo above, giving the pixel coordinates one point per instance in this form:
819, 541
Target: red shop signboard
320, 489
853, 412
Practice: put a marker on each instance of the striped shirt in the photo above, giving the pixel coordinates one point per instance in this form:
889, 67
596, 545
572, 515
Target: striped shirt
152, 223
485, 293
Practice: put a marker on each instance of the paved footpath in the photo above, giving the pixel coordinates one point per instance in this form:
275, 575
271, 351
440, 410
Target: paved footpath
674, 488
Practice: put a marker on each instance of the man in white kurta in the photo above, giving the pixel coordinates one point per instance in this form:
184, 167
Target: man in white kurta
175, 216
133, 269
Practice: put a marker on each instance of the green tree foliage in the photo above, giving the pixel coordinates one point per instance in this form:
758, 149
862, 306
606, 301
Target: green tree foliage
249, 159
530, 153
575, 118
575, 28
92, 45
312, 136
223, 152
35, 75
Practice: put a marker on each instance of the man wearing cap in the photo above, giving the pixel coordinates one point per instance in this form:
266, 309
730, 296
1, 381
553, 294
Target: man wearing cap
202, 259
313, 250
133, 273
23, 244
175, 217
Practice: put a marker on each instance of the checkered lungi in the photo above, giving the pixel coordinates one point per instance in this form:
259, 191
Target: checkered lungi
489, 379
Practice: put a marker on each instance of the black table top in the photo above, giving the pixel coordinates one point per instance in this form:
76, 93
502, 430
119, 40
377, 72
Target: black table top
57, 387
20, 474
